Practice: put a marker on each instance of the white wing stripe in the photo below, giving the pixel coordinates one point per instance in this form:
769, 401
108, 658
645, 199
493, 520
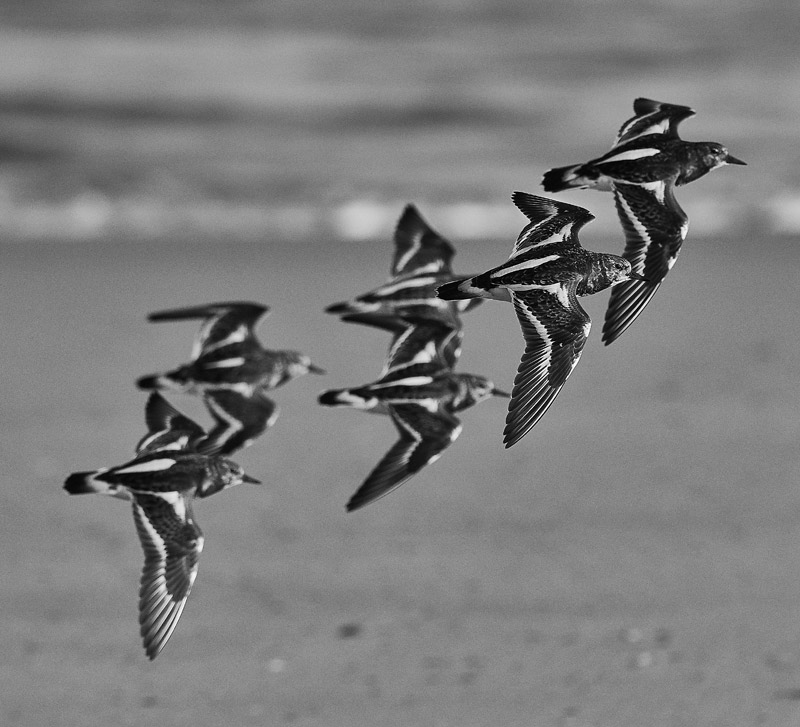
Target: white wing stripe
233, 423
642, 231
153, 534
527, 265
410, 381
153, 465
405, 284
522, 243
236, 336
412, 250
630, 155
176, 500
543, 334
225, 363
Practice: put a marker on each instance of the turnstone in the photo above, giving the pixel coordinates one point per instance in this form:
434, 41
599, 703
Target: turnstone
422, 261
647, 149
161, 483
547, 271
227, 355
422, 395
648, 160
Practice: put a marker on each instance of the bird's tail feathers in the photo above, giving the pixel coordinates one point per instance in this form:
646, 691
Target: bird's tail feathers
561, 178
344, 397
175, 380
340, 308
460, 290
83, 483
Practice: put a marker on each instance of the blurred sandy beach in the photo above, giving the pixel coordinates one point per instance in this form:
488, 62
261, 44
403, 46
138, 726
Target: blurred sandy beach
632, 562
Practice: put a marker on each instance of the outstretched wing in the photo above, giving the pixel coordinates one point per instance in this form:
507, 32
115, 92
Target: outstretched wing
421, 262
424, 435
555, 328
653, 117
416, 339
655, 227
238, 420
424, 342
413, 296
224, 323
167, 428
551, 221
419, 249
398, 318
172, 543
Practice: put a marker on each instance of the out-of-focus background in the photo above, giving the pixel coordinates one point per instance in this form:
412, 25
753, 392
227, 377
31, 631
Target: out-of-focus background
633, 561
279, 119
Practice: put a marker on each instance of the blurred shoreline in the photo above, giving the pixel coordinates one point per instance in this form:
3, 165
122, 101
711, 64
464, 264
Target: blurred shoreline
91, 216
148, 120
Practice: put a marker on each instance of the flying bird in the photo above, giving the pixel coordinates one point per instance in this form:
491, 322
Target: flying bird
161, 483
422, 261
647, 149
422, 394
227, 354
232, 371
648, 160
547, 271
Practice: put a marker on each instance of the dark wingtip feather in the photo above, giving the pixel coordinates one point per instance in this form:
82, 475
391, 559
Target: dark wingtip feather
612, 331
247, 309
643, 106
353, 504
628, 301
410, 216
537, 209
371, 491
159, 414
386, 322
510, 438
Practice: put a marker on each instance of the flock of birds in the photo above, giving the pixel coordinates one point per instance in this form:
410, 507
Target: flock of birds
420, 306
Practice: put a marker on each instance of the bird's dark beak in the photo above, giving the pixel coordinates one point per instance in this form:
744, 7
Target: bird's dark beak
251, 480
316, 369
500, 392
636, 276
733, 160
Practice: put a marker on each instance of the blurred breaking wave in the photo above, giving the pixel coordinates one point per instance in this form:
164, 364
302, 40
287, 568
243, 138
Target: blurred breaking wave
92, 216
293, 120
